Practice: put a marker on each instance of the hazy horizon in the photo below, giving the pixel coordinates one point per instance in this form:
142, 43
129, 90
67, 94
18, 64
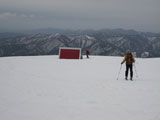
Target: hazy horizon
50, 30
139, 15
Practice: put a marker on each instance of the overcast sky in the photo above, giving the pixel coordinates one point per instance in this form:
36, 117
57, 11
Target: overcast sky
141, 15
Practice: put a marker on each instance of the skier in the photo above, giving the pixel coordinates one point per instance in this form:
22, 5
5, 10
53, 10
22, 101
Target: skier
87, 53
129, 59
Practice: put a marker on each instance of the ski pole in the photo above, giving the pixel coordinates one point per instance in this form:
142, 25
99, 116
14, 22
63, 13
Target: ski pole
119, 71
135, 70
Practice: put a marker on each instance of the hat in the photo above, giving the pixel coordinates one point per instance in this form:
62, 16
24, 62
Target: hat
128, 51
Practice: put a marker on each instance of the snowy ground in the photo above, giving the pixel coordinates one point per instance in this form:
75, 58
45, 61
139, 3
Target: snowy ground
47, 88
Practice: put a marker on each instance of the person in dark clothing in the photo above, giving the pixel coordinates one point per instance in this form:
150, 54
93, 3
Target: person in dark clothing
129, 59
87, 53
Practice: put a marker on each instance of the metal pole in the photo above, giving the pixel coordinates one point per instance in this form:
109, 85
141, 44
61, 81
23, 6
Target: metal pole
135, 70
119, 71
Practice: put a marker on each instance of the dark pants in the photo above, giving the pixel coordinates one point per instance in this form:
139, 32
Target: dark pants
131, 70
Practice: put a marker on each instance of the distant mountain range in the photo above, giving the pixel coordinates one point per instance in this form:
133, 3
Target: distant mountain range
108, 42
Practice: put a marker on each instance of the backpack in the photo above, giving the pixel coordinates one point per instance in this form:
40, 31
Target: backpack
129, 59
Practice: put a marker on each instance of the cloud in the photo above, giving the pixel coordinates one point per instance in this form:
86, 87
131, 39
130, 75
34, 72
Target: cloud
7, 15
14, 21
130, 14
11, 15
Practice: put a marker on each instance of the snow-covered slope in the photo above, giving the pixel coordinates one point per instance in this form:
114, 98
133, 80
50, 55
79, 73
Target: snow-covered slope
47, 88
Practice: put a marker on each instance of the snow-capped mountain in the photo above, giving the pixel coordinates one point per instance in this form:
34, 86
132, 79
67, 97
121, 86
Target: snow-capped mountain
103, 42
